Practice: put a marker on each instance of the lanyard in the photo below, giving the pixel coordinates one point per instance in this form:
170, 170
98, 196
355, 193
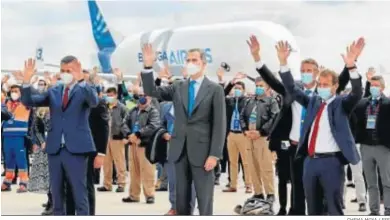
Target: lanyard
370, 109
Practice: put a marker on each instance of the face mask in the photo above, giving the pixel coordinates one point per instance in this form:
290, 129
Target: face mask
375, 91
67, 78
14, 96
142, 100
192, 69
237, 93
259, 91
324, 93
110, 99
307, 78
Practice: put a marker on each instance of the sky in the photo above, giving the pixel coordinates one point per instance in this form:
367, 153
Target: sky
322, 29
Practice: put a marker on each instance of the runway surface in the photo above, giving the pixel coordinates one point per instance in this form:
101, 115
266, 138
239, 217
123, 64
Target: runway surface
110, 203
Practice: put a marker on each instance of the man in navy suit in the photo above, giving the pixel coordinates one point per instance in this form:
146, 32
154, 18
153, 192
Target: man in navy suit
326, 141
69, 139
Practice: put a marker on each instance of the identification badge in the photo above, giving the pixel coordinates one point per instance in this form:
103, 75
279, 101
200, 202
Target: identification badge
10, 121
236, 124
285, 145
371, 122
135, 127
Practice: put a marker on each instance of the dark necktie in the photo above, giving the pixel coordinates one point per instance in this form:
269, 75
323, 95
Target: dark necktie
65, 99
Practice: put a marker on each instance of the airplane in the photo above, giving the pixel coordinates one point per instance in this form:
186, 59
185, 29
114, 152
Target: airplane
222, 43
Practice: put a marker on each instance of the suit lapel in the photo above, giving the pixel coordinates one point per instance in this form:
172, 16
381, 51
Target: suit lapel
203, 91
184, 95
73, 91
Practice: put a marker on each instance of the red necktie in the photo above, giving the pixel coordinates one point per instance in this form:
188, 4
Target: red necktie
65, 99
312, 144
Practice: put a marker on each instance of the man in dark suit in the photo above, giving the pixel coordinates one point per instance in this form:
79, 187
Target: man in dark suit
98, 122
287, 127
325, 150
199, 129
69, 140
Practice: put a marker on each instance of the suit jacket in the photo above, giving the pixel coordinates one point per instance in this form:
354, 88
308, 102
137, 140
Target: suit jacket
72, 122
156, 149
339, 110
99, 124
382, 121
201, 135
281, 128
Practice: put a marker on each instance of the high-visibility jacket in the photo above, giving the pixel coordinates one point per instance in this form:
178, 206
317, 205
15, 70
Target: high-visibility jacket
18, 125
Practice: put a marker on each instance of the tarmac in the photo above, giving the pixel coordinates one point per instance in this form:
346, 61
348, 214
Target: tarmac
110, 203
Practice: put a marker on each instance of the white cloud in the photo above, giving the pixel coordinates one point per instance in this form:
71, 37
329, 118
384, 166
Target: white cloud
322, 29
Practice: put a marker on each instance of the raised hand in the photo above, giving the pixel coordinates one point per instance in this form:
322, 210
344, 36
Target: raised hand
220, 73
352, 52
148, 55
184, 73
119, 75
77, 71
18, 75
5, 79
254, 47
29, 70
34, 79
164, 73
370, 73
283, 51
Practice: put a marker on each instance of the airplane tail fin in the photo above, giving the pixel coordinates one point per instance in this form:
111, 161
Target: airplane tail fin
104, 39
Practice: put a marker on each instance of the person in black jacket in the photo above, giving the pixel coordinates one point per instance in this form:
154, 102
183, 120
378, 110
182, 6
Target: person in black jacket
98, 122
372, 132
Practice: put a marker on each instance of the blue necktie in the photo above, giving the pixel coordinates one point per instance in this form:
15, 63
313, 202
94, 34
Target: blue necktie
191, 97
303, 114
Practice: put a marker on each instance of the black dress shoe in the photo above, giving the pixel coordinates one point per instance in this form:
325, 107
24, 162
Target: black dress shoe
44, 205
362, 207
47, 212
351, 185
282, 212
150, 200
103, 189
129, 200
161, 189
354, 200
3, 174
14, 181
216, 182
120, 189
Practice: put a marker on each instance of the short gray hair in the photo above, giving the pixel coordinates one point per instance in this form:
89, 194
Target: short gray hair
380, 79
68, 59
200, 51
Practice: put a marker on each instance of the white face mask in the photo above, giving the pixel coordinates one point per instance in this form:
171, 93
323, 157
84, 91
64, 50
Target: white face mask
41, 88
192, 69
66, 78
15, 96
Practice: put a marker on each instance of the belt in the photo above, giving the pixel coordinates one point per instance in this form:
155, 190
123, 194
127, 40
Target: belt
294, 142
324, 155
236, 132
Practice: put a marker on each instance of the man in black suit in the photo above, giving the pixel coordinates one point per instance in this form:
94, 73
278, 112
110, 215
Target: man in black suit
99, 124
287, 126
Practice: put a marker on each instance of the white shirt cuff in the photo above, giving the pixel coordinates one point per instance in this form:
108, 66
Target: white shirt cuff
259, 65
222, 82
25, 85
83, 83
354, 74
284, 69
147, 70
100, 154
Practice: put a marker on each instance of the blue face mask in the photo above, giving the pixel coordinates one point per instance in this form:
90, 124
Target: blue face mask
259, 91
110, 99
59, 82
375, 91
307, 78
237, 93
142, 100
324, 93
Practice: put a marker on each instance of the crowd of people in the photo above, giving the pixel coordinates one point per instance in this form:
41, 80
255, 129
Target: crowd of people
191, 129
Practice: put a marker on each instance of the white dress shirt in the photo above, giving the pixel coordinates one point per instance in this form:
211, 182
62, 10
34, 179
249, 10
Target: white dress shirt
325, 142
